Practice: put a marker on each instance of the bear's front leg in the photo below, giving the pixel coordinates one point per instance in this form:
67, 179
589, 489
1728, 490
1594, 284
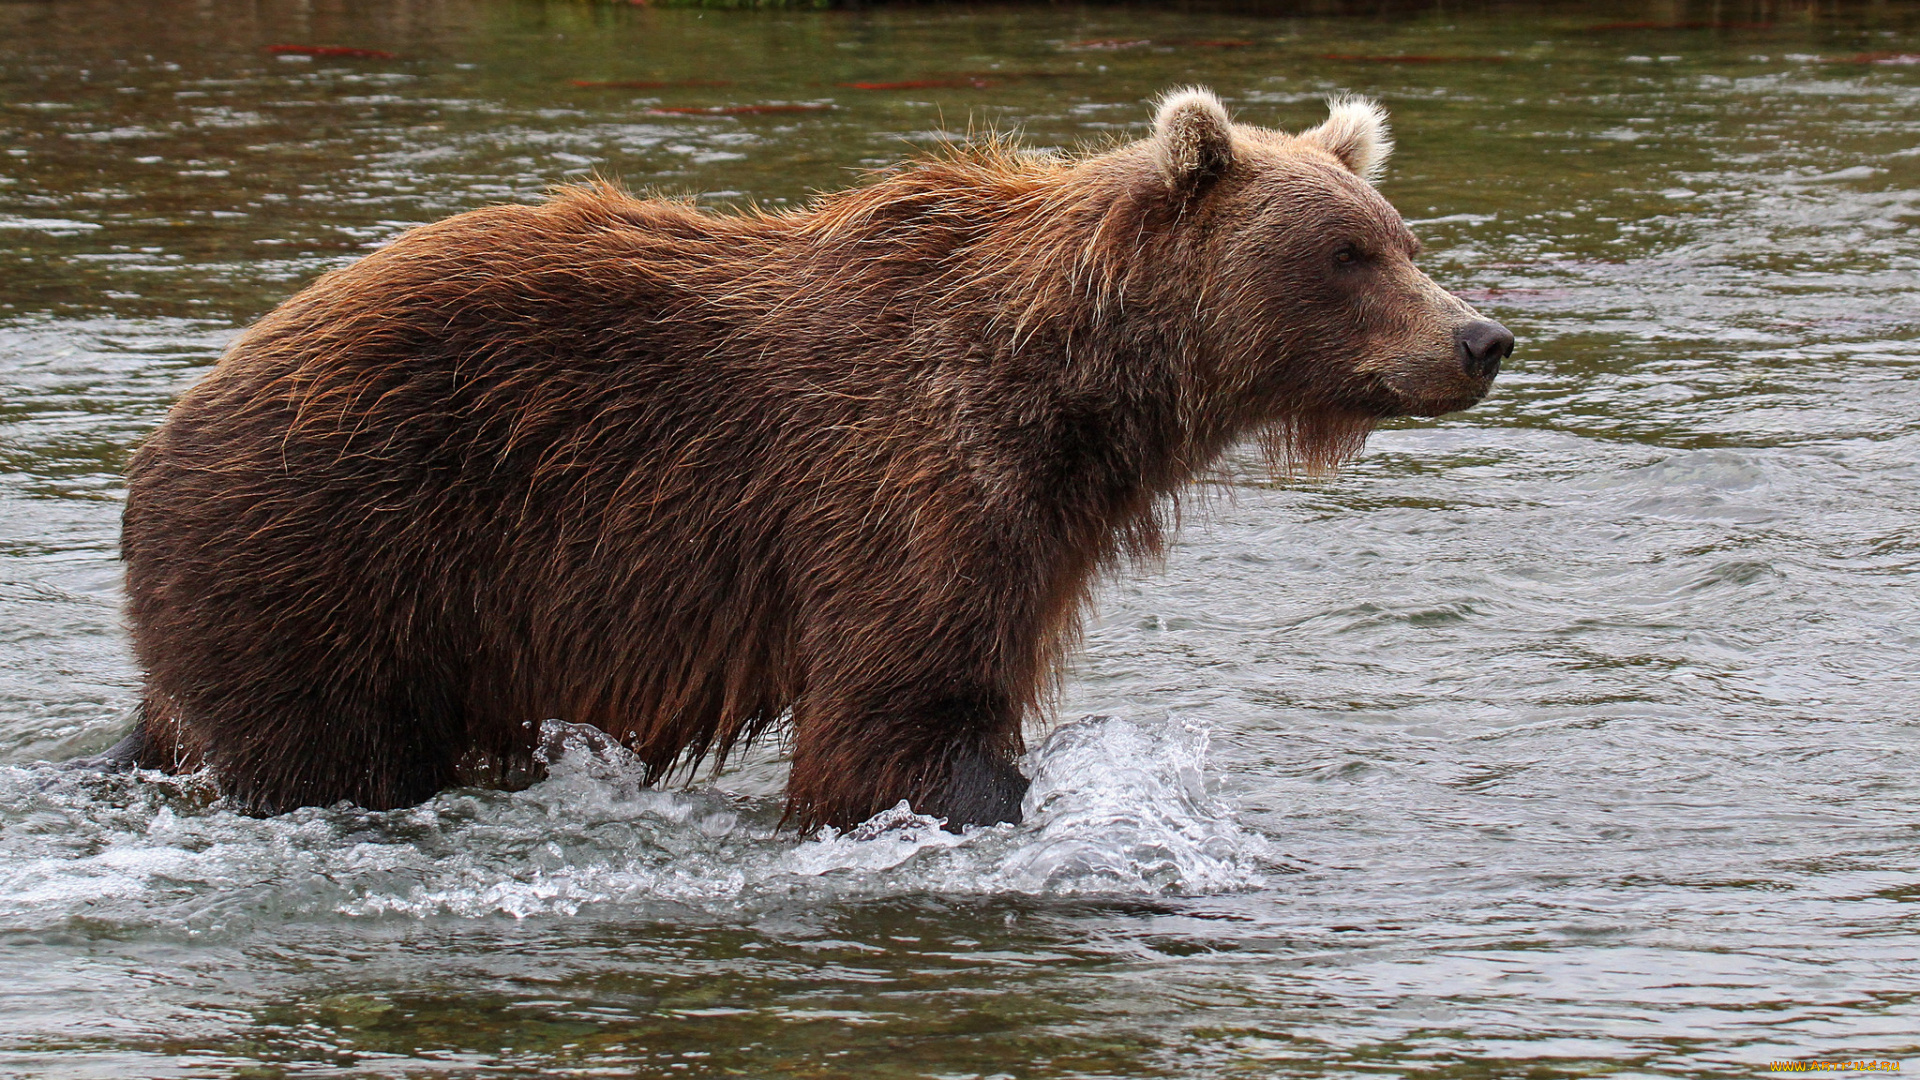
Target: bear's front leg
950, 756
977, 788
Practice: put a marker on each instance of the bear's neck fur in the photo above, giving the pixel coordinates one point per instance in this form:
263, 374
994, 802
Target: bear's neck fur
1075, 305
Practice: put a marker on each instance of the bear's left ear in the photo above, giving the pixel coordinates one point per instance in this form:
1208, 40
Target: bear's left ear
1356, 133
1193, 139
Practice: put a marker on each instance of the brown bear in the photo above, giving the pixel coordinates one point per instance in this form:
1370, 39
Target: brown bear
846, 472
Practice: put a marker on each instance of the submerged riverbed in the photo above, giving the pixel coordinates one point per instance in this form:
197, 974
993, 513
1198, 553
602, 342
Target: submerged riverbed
1575, 734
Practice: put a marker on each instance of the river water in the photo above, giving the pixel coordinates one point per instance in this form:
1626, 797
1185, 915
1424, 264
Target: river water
1573, 734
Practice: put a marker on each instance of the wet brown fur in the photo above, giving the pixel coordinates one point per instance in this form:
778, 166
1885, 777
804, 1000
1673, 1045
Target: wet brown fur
691, 477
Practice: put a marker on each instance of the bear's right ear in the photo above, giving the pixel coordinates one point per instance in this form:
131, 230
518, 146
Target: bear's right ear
1193, 139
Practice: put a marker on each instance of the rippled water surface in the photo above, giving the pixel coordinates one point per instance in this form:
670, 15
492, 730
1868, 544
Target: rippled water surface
1574, 734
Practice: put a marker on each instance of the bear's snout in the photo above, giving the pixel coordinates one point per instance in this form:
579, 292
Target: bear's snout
1481, 345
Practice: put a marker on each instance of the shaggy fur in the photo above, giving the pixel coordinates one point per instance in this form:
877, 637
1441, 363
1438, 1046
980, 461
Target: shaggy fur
691, 477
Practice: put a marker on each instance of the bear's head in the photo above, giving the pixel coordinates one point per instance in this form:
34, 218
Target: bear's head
1320, 321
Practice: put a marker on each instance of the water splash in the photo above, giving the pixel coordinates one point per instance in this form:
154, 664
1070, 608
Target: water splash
1118, 808
1114, 808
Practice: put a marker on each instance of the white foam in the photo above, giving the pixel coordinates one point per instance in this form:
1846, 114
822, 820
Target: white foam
1113, 809
52, 225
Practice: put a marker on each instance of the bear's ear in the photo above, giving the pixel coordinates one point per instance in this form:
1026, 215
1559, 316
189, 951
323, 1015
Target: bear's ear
1356, 133
1193, 139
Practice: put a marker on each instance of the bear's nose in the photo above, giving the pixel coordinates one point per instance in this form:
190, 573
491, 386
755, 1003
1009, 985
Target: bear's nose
1482, 344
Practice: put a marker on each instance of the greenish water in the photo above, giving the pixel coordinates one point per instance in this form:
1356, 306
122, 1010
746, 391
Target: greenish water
1572, 735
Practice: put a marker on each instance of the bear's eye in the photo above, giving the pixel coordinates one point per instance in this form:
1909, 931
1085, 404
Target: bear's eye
1345, 253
